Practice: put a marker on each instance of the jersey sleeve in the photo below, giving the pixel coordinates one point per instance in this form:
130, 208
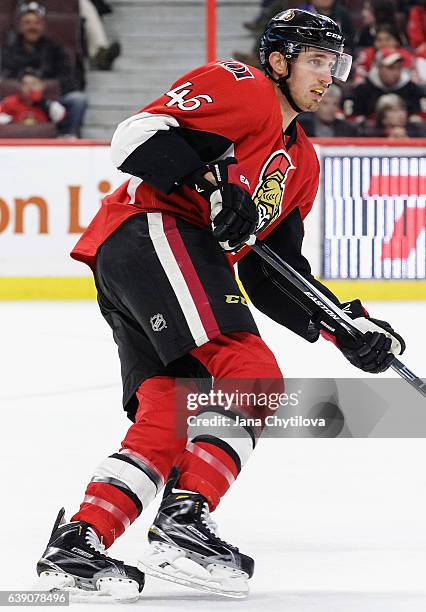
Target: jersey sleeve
305, 196
197, 121
270, 292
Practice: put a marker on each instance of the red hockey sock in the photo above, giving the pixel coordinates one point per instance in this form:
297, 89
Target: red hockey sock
127, 481
210, 464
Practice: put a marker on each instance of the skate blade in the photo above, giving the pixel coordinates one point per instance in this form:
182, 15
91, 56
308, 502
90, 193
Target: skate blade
170, 563
107, 590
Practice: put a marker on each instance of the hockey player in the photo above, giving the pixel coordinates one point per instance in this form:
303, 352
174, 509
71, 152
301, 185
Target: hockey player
217, 159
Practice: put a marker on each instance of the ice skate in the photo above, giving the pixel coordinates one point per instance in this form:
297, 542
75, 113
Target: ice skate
75, 560
184, 547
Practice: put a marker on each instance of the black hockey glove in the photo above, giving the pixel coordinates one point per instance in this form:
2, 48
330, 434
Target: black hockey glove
233, 213
376, 350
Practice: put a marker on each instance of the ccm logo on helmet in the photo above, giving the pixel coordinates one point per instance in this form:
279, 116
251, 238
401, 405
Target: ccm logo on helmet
333, 35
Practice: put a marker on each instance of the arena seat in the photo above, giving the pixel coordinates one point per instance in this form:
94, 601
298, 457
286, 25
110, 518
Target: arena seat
64, 29
16, 130
6, 23
61, 6
8, 6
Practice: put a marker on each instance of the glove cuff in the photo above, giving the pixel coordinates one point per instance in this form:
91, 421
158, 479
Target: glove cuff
198, 183
354, 309
226, 171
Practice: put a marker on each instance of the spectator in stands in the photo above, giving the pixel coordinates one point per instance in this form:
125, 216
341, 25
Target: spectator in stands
258, 21
257, 26
103, 8
365, 35
31, 48
376, 13
101, 53
416, 31
330, 8
29, 106
386, 38
387, 75
392, 120
328, 121
336, 11
416, 26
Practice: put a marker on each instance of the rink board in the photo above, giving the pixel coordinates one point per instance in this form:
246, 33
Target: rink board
374, 214
365, 235
83, 288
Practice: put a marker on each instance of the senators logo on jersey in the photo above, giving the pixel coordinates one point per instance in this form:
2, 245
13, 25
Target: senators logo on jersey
269, 193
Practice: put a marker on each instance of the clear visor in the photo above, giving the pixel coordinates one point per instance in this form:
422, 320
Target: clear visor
338, 64
342, 67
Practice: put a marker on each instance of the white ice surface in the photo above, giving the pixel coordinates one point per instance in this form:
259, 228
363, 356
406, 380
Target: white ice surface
334, 525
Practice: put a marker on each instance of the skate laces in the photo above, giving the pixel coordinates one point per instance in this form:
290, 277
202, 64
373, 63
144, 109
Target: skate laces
208, 521
211, 525
93, 541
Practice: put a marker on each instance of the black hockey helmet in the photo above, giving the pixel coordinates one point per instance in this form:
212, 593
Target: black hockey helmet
292, 30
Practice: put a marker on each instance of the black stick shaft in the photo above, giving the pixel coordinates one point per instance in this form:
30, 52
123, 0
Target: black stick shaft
319, 300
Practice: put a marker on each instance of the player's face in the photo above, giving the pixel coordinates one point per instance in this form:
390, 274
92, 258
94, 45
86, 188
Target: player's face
311, 77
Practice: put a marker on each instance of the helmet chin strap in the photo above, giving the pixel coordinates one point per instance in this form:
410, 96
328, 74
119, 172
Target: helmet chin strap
283, 85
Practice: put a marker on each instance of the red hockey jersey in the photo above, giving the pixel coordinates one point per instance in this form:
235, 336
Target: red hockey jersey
221, 109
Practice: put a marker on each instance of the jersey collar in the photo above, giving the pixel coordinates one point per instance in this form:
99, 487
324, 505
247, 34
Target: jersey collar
290, 135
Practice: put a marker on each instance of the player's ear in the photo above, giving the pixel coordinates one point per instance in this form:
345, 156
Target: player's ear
278, 64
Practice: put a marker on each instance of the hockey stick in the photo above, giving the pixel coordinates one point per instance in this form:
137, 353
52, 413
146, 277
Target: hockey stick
333, 312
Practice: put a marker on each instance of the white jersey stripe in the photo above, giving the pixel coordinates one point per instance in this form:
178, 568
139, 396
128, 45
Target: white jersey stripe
135, 131
134, 183
175, 276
